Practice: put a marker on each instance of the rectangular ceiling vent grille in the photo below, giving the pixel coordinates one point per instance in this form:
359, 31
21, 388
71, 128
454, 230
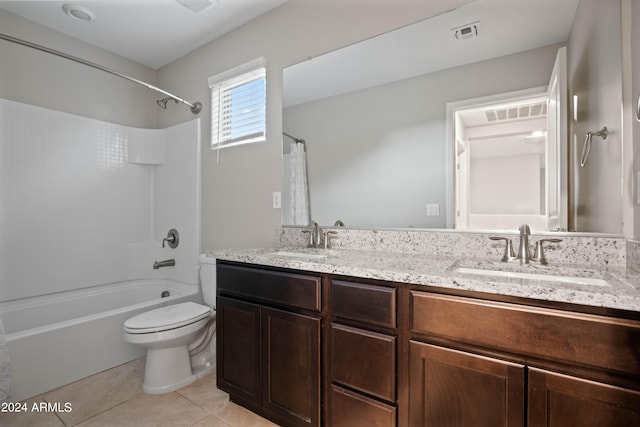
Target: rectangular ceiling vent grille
517, 112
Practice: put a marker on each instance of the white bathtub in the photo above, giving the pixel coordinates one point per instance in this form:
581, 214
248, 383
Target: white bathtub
56, 339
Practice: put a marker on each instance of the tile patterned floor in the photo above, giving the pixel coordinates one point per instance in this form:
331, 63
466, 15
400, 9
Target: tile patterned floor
115, 398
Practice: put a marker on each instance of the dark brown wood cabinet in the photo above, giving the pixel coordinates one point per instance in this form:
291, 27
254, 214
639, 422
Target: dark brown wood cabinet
363, 361
291, 366
238, 348
322, 350
351, 409
454, 388
557, 400
508, 345
269, 336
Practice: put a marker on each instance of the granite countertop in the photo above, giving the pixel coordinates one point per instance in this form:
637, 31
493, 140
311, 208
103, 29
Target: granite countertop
622, 290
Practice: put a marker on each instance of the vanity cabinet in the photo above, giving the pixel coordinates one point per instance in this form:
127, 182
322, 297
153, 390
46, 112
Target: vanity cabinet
268, 343
485, 363
363, 355
307, 349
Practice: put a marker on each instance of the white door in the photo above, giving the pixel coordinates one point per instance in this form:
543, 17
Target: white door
462, 185
556, 202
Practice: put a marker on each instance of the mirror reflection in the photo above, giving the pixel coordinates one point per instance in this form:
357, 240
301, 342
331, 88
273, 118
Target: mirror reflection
392, 128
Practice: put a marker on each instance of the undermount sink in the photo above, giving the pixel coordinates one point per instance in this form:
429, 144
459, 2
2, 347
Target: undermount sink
303, 255
592, 281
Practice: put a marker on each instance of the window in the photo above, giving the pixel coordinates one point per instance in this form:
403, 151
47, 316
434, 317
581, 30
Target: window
238, 105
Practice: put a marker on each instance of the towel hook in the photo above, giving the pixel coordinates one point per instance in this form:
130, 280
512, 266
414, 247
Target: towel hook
586, 147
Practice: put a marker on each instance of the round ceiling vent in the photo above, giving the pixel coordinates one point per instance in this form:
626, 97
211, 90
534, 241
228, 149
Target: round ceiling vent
78, 12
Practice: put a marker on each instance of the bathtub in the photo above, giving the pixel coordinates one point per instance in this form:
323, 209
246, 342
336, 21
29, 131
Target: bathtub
56, 339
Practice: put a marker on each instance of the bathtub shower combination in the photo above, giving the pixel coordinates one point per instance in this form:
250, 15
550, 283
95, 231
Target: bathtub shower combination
57, 339
83, 217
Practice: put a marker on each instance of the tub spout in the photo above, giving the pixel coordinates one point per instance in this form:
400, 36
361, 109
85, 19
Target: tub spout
165, 263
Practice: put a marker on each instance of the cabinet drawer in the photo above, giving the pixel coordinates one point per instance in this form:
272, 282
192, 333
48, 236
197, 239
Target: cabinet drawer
350, 409
288, 289
364, 360
582, 339
364, 303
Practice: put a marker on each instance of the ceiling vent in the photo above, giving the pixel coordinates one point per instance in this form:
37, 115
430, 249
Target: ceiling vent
197, 6
468, 31
538, 109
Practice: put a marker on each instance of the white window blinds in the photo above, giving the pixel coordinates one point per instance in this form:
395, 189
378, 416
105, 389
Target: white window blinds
238, 105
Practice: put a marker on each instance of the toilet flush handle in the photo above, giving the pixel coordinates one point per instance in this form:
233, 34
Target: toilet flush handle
173, 238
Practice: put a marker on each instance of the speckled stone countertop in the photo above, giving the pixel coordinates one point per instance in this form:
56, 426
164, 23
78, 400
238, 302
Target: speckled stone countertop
622, 291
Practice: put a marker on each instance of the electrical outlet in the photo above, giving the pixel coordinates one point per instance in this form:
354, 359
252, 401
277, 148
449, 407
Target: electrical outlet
277, 200
433, 209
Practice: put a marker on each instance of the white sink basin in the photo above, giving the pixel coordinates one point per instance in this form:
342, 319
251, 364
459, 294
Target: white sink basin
533, 276
298, 255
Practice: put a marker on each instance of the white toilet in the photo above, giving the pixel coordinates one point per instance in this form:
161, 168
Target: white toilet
171, 333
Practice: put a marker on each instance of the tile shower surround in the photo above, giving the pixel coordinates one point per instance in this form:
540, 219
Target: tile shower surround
85, 193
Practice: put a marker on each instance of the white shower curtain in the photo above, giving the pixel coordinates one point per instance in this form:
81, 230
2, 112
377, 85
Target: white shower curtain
298, 184
5, 367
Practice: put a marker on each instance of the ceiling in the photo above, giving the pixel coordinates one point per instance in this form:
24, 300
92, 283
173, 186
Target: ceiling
151, 32
505, 27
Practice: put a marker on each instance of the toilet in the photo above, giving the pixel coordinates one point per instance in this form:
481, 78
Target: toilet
179, 338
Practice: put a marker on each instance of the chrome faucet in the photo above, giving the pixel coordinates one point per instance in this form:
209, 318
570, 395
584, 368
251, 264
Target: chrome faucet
523, 248
315, 235
524, 252
165, 263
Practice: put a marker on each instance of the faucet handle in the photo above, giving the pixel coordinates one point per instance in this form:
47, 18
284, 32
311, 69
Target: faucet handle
310, 232
327, 237
508, 249
538, 255
173, 238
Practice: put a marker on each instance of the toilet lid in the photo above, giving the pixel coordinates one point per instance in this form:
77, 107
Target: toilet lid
169, 317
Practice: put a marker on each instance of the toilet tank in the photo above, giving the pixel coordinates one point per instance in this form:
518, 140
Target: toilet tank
208, 279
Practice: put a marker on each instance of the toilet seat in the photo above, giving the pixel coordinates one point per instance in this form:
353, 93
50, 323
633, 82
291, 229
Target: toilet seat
166, 318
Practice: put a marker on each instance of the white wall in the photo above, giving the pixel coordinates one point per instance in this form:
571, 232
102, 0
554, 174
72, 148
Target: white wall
376, 157
493, 191
75, 213
594, 64
237, 193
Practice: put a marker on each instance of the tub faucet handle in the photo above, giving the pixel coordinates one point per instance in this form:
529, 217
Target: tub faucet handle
173, 238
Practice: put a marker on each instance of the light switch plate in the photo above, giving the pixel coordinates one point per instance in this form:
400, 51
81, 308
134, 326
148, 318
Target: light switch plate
277, 200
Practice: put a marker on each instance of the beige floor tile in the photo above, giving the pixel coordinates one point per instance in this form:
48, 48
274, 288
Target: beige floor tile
254, 420
95, 394
30, 418
138, 363
238, 416
205, 393
171, 410
212, 421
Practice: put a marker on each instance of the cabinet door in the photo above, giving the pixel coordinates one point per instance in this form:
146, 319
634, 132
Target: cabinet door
291, 366
238, 348
453, 388
557, 400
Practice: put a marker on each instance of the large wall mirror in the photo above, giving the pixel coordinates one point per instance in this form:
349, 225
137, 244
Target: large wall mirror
460, 121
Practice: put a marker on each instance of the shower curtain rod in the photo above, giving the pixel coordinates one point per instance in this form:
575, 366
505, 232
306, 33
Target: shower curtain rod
195, 107
297, 140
